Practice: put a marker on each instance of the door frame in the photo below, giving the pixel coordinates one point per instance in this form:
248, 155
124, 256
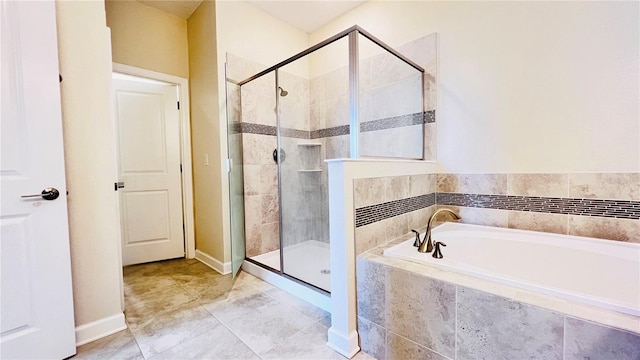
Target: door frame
185, 147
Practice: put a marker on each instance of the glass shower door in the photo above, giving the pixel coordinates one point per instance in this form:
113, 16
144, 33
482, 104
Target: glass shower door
313, 126
236, 175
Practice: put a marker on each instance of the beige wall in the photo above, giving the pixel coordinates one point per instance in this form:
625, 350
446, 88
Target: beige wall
525, 86
85, 64
148, 38
206, 133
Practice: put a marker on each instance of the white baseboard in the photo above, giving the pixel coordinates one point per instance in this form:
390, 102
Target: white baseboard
347, 345
215, 264
100, 328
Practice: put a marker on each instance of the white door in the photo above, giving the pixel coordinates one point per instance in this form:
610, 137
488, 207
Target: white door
36, 294
149, 168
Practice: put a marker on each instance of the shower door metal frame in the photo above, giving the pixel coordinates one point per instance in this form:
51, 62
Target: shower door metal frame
354, 123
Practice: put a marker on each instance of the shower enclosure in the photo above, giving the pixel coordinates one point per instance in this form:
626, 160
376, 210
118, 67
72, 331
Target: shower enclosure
350, 96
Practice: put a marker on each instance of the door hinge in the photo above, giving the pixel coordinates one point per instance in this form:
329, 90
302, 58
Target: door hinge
183, 230
178, 105
180, 167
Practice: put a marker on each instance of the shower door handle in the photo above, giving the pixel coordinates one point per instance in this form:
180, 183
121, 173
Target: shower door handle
229, 165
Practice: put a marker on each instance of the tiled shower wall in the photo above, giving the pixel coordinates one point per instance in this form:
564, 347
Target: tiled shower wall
314, 120
605, 206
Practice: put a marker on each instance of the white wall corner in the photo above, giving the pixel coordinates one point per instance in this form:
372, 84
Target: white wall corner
215, 264
343, 334
100, 328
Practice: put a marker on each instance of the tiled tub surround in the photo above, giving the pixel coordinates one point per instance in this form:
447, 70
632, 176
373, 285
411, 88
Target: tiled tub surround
470, 317
410, 311
605, 206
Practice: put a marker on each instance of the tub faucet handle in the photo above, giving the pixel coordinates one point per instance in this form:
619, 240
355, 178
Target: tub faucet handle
436, 249
417, 242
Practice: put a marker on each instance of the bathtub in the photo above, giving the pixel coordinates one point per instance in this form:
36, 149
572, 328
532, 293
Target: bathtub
591, 271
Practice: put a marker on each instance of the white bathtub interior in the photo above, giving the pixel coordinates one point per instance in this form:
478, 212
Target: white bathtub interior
591, 271
308, 260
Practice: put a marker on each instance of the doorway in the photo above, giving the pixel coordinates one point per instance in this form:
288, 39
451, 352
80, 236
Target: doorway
151, 120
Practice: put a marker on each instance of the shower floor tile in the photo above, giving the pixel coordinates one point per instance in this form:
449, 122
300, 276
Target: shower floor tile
180, 309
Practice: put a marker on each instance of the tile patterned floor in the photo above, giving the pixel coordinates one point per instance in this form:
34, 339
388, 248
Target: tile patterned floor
182, 309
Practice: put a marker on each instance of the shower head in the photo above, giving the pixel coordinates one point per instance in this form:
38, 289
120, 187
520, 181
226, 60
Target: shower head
283, 92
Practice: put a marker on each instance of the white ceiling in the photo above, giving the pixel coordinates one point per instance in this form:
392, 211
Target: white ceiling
306, 15
180, 8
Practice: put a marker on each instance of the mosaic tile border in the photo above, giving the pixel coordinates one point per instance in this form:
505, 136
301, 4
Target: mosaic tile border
329, 132
260, 129
620, 209
374, 125
374, 213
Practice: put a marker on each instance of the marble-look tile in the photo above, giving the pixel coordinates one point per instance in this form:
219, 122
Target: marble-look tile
253, 240
252, 211
268, 179
144, 284
373, 338
446, 183
369, 236
585, 340
421, 309
258, 149
397, 187
162, 333
263, 327
495, 184
605, 228
418, 219
396, 226
209, 287
491, 327
269, 208
121, 345
371, 283
620, 186
430, 142
216, 343
337, 113
481, 216
252, 180
547, 185
236, 307
369, 191
309, 343
139, 309
296, 303
135, 273
527, 220
247, 285
420, 184
362, 356
269, 237
337, 147
399, 347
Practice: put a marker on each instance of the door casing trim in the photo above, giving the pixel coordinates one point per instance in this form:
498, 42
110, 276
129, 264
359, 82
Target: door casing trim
185, 146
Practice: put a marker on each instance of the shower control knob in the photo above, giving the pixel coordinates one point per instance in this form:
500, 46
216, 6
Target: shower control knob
283, 155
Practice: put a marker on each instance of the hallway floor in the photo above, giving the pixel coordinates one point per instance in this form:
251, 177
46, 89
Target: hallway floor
182, 309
